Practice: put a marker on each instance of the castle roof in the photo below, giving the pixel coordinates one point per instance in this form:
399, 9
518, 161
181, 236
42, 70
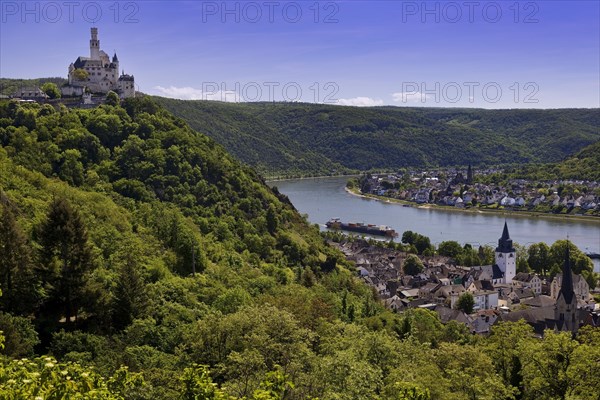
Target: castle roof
80, 62
115, 59
505, 243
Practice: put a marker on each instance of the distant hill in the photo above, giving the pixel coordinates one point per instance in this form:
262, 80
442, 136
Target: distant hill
253, 137
316, 138
9, 86
585, 165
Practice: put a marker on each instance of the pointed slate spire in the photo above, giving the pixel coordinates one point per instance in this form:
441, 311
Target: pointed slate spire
505, 243
115, 59
566, 287
505, 235
470, 174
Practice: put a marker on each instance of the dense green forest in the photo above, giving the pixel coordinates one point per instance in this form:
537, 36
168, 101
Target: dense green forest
254, 139
292, 138
138, 260
585, 165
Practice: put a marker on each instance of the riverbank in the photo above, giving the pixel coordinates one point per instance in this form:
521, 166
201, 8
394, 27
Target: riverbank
527, 214
310, 177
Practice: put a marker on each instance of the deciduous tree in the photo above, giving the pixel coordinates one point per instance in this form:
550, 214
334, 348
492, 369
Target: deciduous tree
51, 90
412, 265
465, 303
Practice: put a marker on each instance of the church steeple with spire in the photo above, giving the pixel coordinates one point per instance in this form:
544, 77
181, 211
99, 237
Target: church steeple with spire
506, 256
565, 311
470, 175
505, 243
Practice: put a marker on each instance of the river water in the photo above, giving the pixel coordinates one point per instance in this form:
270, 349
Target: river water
325, 198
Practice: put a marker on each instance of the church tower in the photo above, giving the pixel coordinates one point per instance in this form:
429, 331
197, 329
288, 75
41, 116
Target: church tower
94, 45
565, 311
470, 175
506, 256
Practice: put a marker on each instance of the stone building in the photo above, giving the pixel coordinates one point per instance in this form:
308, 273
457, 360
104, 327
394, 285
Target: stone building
525, 280
30, 93
98, 73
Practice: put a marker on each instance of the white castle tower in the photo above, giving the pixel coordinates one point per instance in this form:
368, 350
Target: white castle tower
94, 45
506, 256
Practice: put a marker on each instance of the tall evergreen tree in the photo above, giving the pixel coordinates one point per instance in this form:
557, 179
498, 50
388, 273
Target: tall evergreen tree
130, 298
65, 257
16, 273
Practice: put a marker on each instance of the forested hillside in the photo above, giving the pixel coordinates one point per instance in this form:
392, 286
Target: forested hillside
253, 139
585, 165
138, 260
269, 135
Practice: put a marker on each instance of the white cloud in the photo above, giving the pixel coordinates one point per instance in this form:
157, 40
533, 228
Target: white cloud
190, 93
360, 102
410, 97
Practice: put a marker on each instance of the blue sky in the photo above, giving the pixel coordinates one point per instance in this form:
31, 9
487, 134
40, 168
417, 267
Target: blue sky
490, 54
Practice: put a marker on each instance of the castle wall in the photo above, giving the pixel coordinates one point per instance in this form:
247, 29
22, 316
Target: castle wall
71, 90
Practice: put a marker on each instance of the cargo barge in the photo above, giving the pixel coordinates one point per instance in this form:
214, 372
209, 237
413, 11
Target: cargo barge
369, 229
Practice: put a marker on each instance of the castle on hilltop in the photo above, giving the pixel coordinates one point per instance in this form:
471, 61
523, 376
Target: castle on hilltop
98, 73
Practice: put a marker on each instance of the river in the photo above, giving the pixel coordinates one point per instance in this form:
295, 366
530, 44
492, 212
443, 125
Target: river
325, 198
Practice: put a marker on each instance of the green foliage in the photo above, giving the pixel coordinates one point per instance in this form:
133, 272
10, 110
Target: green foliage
130, 299
66, 258
16, 266
51, 90
465, 303
297, 139
412, 265
112, 99
179, 262
273, 387
46, 378
408, 391
421, 325
420, 242
539, 258
579, 261
80, 74
584, 165
197, 385
450, 248
21, 337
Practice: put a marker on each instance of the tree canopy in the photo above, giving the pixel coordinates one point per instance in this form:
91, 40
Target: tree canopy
141, 261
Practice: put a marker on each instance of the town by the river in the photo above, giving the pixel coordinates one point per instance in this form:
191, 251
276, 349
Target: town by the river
325, 198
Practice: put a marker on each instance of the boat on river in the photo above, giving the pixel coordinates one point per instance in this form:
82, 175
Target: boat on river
369, 229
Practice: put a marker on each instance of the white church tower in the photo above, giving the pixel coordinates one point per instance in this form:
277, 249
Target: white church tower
506, 256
